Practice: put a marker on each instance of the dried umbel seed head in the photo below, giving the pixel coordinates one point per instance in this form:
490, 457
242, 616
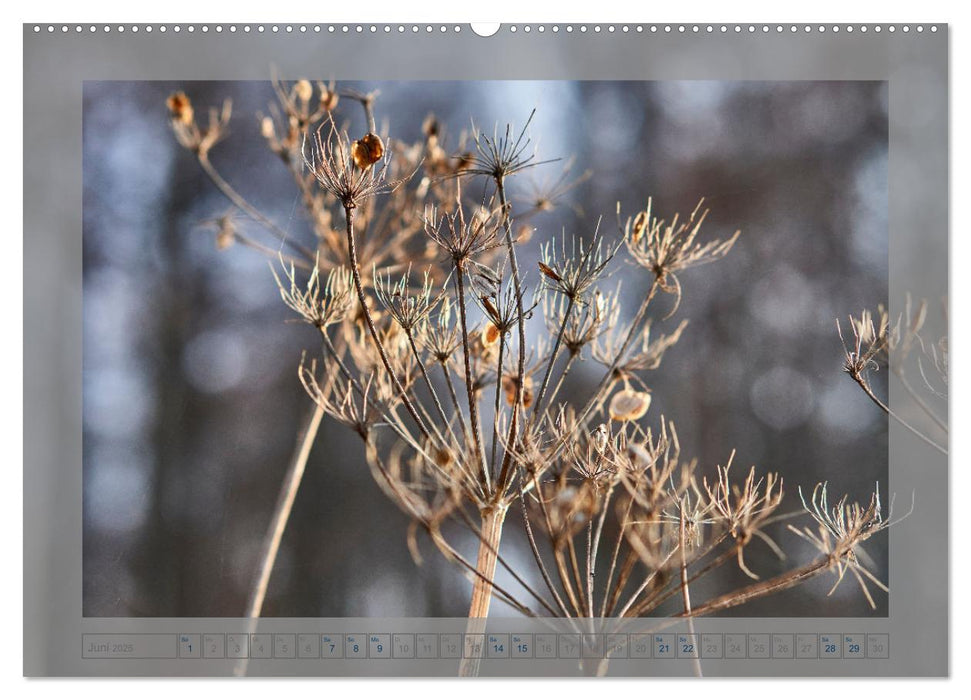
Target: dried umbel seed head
367, 150
628, 405
180, 107
303, 90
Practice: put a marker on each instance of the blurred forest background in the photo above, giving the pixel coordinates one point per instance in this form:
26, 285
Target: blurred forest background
191, 397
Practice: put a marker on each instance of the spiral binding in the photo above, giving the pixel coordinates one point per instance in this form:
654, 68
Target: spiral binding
426, 29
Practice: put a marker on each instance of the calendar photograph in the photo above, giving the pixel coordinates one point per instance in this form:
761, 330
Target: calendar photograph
472, 349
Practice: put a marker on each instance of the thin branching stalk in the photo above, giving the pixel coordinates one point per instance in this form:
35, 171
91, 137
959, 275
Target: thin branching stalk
359, 286
685, 589
469, 380
428, 382
918, 399
549, 365
520, 324
886, 409
238, 200
544, 571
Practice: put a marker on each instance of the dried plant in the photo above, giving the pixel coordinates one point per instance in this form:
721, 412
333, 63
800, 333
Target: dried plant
875, 343
422, 307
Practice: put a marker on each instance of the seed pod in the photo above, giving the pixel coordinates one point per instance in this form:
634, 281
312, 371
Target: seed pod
640, 225
443, 458
180, 107
629, 405
367, 150
490, 335
549, 272
509, 383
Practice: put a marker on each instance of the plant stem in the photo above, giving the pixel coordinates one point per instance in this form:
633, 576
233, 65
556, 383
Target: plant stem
485, 566
920, 402
492, 520
359, 286
278, 523
431, 387
886, 409
631, 334
237, 199
685, 591
762, 588
495, 420
549, 366
535, 549
469, 381
521, 368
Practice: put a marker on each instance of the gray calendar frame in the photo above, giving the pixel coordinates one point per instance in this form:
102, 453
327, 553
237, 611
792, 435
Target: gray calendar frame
57, 63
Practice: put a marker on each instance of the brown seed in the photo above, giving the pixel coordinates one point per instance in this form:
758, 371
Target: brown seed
489, 306
443, 457
367, 150
180, 107
549, 272
490, 335
640, 225
509, 383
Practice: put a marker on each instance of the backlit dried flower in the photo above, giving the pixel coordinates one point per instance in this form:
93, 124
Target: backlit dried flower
869, 341
629, 405
367, 151
335, 163
667, 248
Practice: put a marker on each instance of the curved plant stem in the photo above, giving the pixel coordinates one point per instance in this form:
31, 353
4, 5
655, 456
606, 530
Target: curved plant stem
278, 523
886, 409
237, 199
920, 402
